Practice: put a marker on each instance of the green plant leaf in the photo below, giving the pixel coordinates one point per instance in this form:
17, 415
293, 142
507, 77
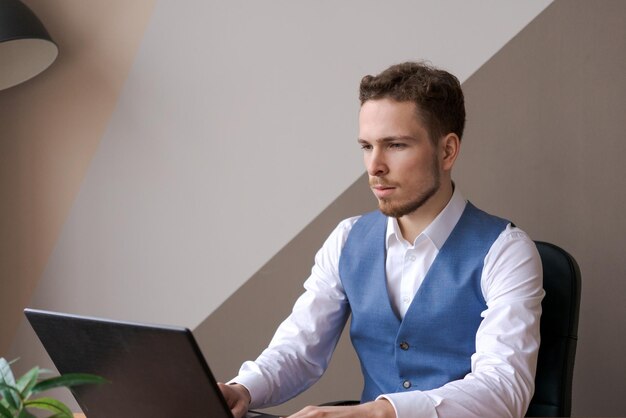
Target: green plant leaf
7, 383
11, 389
50, 404
25, 414
4, 403
27, 381
67, 380
15, 360
6, 375
10, 395
4, 412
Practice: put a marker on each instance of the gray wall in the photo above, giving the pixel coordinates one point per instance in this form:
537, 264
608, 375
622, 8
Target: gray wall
220, 149
543, 147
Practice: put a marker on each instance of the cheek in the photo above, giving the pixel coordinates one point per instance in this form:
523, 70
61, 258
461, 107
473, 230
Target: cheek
417, 171
412, 164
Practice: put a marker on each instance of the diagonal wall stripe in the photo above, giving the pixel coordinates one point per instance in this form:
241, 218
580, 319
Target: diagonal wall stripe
543, 147
181, 200
51, 126
231, 134
243, 325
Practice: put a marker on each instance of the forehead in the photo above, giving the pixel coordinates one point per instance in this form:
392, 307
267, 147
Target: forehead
387, 117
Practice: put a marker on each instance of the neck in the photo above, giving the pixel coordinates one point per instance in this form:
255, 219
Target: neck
414, 223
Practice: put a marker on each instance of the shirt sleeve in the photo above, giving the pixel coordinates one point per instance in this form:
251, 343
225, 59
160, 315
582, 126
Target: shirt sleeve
302, 346
501, 381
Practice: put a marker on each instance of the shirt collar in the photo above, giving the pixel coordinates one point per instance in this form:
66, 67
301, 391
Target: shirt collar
439, 229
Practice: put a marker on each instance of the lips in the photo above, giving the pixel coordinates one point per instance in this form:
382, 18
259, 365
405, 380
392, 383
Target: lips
382, 191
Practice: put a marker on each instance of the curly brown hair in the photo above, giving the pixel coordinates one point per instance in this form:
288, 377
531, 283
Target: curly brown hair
436, 93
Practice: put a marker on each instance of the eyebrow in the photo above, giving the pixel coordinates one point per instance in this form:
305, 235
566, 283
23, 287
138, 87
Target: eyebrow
387, 139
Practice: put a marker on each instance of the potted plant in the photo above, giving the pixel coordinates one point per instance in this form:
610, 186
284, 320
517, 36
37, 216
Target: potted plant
15, 395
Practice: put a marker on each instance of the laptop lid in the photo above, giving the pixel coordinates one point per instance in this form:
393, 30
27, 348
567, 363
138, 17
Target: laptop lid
153, 371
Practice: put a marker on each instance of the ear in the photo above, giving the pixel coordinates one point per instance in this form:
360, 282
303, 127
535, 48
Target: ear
450, 146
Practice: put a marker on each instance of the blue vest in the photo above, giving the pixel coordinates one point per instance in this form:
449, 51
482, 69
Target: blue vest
433, 344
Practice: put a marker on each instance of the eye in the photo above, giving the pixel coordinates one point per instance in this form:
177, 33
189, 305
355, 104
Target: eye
397, 145
366, 147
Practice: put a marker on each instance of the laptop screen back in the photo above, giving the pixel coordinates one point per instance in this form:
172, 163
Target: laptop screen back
153, 371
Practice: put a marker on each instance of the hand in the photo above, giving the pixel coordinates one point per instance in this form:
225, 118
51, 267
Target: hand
237, 397
376, 409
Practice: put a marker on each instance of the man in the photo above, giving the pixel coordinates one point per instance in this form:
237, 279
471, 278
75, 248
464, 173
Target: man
445, 299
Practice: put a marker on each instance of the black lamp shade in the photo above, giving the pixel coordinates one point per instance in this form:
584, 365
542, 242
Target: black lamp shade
26, 48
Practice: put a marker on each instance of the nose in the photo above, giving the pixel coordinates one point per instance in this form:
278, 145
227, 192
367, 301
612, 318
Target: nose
375, 163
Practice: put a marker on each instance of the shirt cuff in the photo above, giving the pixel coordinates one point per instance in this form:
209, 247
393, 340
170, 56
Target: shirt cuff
256, 387
411, 404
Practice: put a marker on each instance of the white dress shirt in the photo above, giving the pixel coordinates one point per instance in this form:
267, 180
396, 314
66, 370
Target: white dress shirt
501, 381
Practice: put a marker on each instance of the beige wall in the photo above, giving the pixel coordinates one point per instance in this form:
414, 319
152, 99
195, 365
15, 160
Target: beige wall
545, 146
172, 165
49, 130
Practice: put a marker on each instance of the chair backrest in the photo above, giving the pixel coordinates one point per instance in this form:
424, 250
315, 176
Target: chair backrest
559, 333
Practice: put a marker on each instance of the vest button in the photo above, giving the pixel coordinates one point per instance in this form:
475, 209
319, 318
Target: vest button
406, 384
404, 345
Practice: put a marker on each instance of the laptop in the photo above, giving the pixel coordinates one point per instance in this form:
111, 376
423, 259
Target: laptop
152, 371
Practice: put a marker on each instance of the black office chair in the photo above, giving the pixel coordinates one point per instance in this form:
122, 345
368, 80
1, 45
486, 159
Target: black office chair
559, 333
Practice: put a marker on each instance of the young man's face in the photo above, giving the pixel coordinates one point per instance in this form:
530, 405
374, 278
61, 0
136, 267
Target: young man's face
400, 158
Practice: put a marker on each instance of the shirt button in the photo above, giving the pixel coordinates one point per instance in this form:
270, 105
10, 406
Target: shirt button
412, 258
406, 384
404, 345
